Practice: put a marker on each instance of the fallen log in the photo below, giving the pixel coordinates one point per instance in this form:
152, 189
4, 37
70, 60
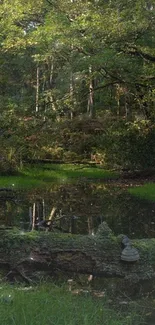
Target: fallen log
99, 255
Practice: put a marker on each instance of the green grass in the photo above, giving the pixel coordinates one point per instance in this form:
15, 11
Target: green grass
20, 182
38, 176
53, 305
146, 191
67, 171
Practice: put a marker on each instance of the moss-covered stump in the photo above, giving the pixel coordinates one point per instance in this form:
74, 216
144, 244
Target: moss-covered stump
23, 253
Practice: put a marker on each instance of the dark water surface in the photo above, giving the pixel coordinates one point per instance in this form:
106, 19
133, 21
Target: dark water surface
79, 208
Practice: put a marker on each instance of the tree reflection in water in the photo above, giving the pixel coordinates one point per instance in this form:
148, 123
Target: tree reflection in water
78, 208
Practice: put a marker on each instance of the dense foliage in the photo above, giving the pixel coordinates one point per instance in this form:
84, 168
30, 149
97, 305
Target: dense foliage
77, 82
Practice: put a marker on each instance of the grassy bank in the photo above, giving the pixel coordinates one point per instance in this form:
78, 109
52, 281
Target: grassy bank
35, 176
146, 191
51, 304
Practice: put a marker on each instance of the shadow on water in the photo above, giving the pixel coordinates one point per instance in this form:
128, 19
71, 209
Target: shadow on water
78, 208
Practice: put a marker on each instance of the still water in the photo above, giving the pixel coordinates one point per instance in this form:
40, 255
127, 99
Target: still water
79, 208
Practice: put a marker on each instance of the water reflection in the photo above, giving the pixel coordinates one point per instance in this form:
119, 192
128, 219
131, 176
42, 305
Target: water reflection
78, 208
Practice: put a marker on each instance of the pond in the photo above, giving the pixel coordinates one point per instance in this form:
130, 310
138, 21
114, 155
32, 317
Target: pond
78, 208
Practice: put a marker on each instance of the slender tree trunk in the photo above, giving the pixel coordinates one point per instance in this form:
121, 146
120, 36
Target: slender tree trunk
43, 207
37, 89
90, 225
71, 95
51, 217
51, 80
90, 106
33, 216
118, 108
71, 84
127, 108
51, 74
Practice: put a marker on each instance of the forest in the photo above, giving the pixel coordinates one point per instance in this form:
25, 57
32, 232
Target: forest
77, 162
77, 82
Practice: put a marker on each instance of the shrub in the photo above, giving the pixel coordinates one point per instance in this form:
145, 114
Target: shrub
130, 146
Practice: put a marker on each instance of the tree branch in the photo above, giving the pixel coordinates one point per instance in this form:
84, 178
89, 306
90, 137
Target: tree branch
136, 52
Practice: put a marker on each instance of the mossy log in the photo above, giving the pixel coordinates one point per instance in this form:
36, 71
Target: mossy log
99, 255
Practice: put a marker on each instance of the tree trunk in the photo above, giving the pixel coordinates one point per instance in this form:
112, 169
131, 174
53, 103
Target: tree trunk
37, 90
99, 255
71, 95
90, 107
33, 216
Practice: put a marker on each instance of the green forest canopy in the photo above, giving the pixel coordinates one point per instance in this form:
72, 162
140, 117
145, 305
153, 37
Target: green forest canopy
67, 61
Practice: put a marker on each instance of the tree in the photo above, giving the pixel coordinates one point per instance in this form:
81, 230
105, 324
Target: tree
69, 59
